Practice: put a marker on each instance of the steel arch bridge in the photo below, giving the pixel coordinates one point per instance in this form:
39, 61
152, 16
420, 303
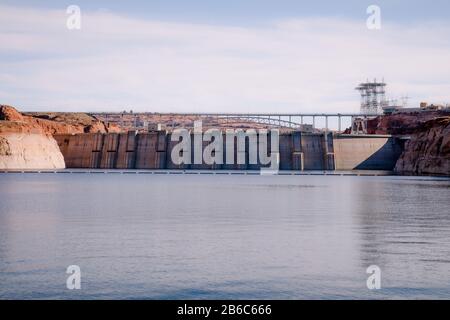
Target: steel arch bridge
278, 120
267, 120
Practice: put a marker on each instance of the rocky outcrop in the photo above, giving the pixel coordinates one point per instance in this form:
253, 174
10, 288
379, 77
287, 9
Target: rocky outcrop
62, 123
57, 123
428, 150
26, 140
8, 113
22, 151
403, 123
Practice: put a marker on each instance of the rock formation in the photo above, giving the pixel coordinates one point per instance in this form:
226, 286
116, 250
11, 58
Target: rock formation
8, 113
428, 150
403, 123
29, 151
26, 140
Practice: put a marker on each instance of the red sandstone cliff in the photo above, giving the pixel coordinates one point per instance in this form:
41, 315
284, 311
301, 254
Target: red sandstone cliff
428, 150
51, 123
403, 123
26, 140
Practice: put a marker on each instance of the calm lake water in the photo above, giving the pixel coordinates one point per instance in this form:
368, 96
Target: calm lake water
223, 236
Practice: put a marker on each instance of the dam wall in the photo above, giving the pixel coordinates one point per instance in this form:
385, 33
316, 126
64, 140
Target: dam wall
355, 152
297, 151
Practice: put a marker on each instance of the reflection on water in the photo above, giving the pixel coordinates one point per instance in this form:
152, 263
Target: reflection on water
204, 236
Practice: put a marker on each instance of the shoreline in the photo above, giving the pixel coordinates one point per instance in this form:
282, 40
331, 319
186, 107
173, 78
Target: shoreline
354, 173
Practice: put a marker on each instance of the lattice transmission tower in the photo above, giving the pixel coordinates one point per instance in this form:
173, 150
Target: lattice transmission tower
373, 97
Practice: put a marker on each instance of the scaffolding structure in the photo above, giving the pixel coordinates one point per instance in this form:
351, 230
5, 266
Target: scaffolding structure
373, 97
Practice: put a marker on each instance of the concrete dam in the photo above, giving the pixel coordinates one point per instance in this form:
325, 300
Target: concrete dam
297, 151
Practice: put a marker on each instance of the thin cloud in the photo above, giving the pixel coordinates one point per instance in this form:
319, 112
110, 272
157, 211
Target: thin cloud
117, 62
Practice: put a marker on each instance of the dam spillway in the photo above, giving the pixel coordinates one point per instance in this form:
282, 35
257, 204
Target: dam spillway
297, 151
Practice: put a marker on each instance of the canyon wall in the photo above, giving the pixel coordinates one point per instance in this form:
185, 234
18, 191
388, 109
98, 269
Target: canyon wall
25, 145
26, 140
428, 150
29, 151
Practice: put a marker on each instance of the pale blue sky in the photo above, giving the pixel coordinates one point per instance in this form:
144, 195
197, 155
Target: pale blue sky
234, 55
249, 12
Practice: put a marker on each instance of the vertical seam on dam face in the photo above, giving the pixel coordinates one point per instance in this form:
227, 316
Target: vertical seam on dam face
298, 151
